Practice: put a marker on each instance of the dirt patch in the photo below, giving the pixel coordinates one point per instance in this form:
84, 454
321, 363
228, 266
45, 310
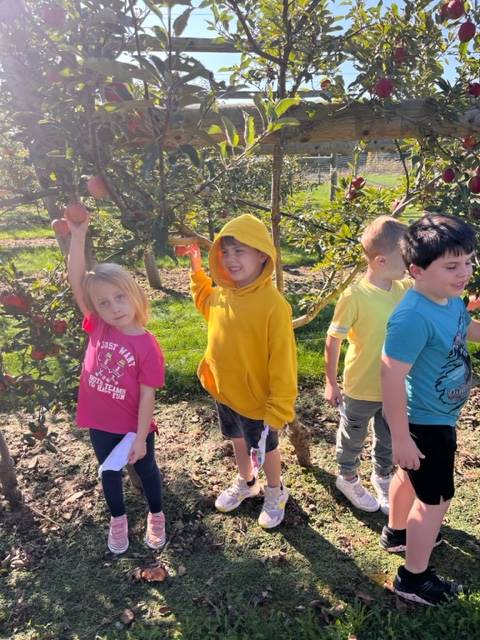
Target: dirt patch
27, 243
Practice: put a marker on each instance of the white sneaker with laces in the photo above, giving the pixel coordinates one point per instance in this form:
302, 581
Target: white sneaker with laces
273, 510
381, 484
234, 495
357, 494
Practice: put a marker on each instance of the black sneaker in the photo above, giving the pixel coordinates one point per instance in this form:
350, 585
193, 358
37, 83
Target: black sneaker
395, 540
431, 590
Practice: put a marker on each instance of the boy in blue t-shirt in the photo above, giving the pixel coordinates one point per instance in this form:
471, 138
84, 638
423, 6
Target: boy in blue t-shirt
426, 377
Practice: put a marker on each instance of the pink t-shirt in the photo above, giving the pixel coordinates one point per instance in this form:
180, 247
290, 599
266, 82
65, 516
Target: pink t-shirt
114, 366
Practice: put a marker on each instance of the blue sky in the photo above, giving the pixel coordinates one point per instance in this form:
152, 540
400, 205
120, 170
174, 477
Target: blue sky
197, 27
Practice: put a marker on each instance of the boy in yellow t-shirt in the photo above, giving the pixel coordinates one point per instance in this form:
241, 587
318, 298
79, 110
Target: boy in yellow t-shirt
361, 316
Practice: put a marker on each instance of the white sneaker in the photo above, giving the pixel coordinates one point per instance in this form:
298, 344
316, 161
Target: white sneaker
234, 495
381, 484
357, 494
273, 510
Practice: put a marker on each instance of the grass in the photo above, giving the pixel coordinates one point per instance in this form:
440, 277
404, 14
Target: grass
32, 259
319, 576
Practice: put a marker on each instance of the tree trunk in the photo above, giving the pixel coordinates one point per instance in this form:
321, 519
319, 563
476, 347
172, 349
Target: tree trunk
333, 177
275, 211
8, 477
151, 269
300, 438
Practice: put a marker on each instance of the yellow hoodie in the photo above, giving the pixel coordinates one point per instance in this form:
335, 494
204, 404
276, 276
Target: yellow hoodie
250, 363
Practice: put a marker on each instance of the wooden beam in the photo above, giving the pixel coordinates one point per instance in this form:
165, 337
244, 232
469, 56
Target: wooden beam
342, 147
320, 123
202, 45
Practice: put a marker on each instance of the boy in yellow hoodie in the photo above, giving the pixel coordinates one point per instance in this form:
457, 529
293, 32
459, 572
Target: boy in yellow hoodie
249, 366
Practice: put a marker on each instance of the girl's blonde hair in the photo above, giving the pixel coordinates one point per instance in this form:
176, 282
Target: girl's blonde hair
115, 275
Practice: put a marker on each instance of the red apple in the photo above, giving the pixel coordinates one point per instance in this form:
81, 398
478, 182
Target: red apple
399, 55
54, 16
474, 184
444, 12
474, 89
181, 250
54, 350
469, 142
76, 212
60, 226
455, 9
466, 32
448, 174
325, 85
11, 10
383, 87
59, 327
351, 194
38, 354
97, 188
52, 76
17, 302
358, 183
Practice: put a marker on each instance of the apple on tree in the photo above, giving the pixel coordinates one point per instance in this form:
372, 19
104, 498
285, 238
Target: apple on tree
76, 212
383, 87
97, 188
60, 226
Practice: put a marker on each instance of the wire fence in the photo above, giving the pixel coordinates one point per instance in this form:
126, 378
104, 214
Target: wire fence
320, 167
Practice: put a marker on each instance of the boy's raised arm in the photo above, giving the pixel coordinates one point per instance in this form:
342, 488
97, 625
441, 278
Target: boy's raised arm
76, 262
404, 450
201, 284
333, 393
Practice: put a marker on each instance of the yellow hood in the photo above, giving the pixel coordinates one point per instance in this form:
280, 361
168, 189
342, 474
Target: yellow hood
249, 230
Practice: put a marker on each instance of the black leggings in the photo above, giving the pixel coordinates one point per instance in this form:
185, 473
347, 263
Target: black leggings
103, 442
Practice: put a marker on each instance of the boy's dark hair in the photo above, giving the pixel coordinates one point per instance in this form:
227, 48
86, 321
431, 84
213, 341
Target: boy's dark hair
433, 236
226, 241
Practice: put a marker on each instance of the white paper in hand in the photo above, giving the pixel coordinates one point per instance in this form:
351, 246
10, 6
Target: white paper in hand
257, 454
118, 456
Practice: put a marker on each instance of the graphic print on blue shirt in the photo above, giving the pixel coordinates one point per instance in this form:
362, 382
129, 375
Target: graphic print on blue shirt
453, 384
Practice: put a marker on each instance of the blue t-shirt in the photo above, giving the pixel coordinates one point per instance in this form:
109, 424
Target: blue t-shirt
432, 338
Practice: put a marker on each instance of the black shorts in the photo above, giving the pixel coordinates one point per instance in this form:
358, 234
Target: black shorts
233, 425
433, 481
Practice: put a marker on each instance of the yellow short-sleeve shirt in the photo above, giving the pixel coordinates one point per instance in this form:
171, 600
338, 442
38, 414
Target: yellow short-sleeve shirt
361, 316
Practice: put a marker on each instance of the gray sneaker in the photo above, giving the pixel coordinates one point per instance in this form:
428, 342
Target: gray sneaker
234, 495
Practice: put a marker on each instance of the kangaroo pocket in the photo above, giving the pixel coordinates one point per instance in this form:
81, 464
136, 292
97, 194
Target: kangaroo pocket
233, 386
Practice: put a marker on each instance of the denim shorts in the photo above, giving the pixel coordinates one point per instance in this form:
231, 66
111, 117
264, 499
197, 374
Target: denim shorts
233, 425
434, 480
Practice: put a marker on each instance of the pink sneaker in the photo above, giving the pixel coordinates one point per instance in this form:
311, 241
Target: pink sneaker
118, 535
155, 535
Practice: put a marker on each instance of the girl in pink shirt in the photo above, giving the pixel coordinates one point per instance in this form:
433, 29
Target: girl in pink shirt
123, 365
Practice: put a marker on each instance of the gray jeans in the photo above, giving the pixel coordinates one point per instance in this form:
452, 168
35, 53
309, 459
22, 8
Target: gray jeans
352, 433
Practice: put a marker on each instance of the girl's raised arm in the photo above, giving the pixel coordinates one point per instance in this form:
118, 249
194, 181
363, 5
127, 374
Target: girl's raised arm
76, 262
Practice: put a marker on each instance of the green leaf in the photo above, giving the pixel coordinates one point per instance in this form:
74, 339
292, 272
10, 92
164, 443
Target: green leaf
122, 71
192, 153
181, 22
249, 132
285, 104
231, 132
262, 109
283, 122
214, 129
127, 105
